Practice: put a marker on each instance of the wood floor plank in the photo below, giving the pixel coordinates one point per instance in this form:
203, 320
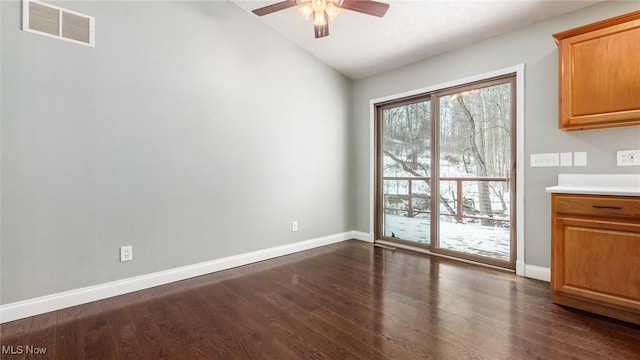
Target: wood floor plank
297, 332
42, 336
308, 296
148, 334
70, 334
415, 331
210, 331
14, 338
189, 311
175, 337
121, 330
244, 322
97, 340
348, 300
361, 315
323, 328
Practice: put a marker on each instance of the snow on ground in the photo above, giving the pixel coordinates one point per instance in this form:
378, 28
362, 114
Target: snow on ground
493, 242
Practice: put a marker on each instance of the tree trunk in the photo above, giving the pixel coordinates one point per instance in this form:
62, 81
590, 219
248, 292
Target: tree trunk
481, 166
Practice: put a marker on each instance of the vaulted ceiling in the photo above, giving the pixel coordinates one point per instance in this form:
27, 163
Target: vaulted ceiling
360, 45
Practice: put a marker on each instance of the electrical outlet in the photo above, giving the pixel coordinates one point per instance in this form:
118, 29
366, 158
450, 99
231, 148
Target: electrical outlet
294, 226
628, 157
126, 253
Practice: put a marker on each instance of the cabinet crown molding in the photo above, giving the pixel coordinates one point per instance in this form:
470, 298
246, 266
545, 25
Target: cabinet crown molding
603, 24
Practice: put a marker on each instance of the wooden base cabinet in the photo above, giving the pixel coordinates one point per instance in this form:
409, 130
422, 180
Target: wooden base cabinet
595, 254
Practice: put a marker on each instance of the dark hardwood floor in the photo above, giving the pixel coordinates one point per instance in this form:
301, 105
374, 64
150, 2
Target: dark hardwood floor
344, 301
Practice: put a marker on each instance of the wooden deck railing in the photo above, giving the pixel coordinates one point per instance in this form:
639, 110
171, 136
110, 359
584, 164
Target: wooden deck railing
459, 195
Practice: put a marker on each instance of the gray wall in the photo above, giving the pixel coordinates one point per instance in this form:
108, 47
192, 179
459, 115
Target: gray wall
192, 132
534, 47
1, 88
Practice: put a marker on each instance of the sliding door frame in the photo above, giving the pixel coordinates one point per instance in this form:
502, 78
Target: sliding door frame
379, 108
435, 169
514, 76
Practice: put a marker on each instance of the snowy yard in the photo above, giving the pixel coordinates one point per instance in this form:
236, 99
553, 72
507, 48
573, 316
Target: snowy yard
493, 242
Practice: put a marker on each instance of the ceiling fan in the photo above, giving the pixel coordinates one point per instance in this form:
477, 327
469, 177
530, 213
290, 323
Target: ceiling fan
324, 11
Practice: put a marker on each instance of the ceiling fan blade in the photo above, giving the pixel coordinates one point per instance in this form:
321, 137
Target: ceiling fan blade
321, 30
274, 7
368, 7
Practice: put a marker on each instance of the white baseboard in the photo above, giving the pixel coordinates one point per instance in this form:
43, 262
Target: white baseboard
537, 272
362, 236
44, 304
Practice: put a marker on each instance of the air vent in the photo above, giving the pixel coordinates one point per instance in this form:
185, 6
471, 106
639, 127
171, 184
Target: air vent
56, 22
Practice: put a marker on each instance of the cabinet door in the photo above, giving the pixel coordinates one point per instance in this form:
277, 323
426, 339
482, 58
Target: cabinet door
600, 78
598, 261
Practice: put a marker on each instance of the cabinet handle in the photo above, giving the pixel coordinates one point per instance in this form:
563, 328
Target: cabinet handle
607, 207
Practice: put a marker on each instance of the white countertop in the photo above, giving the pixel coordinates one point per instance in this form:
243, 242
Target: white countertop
597, 184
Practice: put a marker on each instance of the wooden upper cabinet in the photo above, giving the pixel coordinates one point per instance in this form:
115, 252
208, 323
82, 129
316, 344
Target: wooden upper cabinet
599, 68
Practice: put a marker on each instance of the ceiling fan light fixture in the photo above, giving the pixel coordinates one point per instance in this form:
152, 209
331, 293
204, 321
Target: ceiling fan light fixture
318, 5
332, 11
305, 11
319, 18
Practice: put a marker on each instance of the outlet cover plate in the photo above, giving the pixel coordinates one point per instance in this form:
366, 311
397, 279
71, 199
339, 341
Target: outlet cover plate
628, 157
126, 253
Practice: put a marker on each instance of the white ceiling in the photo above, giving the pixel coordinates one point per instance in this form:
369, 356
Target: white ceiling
360, 45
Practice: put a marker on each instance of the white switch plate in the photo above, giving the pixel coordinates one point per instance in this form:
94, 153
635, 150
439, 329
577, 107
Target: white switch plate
579, 159
566, 159
294, 226
545, 160
628, 157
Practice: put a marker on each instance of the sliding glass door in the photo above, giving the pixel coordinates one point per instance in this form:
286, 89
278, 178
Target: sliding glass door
405, 162
447, 184
475, 166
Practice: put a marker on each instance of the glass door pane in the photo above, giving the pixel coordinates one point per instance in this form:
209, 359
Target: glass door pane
405, 165
474, 168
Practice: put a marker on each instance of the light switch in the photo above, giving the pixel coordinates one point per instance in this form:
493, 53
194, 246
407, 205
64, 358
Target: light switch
580, 159
566, 159
545, 160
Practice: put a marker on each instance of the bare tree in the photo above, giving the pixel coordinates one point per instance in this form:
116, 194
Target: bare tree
473, 137
408, 169
481, 165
